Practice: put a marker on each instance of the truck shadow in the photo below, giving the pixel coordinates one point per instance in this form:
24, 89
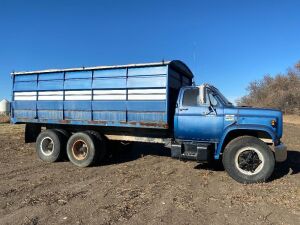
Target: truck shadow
136, 151
291, 166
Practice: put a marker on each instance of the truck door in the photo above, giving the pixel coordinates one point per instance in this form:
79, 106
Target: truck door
198, 121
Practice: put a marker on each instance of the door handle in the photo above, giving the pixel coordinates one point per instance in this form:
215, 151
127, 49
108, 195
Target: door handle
183, 109
208, 113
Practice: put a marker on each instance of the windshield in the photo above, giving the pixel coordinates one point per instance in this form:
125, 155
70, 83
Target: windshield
224, 100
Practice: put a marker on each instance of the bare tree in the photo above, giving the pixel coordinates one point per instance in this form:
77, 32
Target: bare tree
281, 91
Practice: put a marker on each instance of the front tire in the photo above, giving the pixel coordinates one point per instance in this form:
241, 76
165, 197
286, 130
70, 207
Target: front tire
248, 160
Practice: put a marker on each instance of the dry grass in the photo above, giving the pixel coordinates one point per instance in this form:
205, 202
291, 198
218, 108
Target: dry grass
294, 119
4, 119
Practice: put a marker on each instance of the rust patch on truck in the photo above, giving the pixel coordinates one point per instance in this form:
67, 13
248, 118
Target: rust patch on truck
132, 123
65, 121
103, 122
150, 124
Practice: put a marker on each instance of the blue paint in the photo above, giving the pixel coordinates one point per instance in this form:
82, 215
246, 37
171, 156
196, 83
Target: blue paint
146, 106
50, 85
24, 114
50, 114
25, 86
132, 113
198, 123
146, 81
150, 71
108, 73
155, 117
78, 115
109, 116
78, 84
19, 105
51, 76
77, 105
109, 83
78, 75
51, 105
26, 78
109, 105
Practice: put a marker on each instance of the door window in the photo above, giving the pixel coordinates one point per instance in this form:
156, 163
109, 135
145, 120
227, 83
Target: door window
191, 97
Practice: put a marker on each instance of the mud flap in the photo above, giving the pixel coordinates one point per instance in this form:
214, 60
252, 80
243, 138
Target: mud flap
31, 132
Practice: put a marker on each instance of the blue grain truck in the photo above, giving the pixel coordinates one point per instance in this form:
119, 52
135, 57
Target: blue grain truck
79, 111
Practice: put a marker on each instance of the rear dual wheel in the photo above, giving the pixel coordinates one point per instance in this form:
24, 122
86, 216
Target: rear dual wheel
83, 148
86, 148
50, 145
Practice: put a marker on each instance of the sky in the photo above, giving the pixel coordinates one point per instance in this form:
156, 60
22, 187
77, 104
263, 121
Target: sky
227, 43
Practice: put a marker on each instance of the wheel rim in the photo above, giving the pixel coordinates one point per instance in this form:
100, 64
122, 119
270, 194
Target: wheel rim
47, 146
80, 150
249, 161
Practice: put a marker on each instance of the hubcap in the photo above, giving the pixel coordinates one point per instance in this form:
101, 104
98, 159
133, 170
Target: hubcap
80, 150
47, 146
249, 161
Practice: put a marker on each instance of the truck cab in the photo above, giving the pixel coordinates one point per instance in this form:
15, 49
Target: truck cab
246, 139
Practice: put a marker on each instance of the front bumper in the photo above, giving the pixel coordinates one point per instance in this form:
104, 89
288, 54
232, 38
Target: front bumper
280, 152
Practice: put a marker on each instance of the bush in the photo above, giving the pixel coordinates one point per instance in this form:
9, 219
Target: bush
281, 91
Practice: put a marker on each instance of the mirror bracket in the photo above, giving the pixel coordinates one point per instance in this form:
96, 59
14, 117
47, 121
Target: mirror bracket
202, 92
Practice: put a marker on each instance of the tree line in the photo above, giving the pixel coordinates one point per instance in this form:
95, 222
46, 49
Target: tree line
281, 91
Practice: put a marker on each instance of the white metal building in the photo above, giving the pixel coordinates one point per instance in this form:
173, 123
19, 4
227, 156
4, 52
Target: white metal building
4, 107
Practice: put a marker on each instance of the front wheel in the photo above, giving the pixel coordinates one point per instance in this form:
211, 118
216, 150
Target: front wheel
248, 160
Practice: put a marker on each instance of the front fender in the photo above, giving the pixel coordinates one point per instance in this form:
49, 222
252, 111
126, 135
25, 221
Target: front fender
242, 127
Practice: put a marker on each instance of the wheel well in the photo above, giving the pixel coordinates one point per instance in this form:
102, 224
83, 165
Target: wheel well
237, 133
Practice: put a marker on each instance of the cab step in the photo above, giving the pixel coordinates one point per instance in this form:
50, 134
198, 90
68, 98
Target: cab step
191, 151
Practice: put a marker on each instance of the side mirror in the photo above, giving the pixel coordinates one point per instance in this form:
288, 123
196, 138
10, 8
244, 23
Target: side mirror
202, 93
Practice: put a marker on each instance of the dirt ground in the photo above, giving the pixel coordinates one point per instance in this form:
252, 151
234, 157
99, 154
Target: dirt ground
295, 119
143, 187
4, 118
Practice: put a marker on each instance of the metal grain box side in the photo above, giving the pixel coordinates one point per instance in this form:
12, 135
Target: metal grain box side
141, 95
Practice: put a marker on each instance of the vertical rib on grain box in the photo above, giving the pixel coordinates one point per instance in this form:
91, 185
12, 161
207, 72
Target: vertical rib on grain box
136, 95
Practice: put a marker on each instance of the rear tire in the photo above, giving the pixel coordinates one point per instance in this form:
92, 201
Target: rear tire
64, 133
49, 145
248, 160
100, 145
81, 149
65, 137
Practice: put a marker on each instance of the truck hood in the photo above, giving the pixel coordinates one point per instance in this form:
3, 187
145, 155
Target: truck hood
257, 116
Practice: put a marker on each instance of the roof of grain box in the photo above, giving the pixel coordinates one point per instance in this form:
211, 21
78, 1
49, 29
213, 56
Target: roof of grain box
134, 95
